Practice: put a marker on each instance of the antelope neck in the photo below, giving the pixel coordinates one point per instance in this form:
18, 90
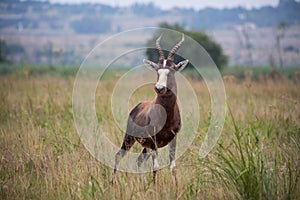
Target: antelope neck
168, 101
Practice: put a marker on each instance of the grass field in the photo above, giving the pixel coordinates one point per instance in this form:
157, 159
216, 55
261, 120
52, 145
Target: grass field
257, 156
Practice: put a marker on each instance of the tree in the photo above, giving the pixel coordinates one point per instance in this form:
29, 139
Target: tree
3, 51
213, 48
279, 37
245, 41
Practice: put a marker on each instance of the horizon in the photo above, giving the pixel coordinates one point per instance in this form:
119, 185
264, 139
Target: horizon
168, 4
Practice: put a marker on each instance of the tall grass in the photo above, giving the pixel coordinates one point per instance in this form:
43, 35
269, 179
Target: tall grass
247, 167
42, 157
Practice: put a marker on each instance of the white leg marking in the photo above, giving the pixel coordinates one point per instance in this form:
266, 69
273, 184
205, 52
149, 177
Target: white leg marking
156, 164
117, 166
172, 165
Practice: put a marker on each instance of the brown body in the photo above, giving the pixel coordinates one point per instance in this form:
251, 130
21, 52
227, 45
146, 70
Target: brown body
155, 124
140, 115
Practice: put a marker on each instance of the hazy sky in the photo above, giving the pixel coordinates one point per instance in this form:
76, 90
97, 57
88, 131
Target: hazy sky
197, 4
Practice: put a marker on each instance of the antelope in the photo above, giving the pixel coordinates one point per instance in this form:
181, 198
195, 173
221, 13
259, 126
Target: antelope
155, 124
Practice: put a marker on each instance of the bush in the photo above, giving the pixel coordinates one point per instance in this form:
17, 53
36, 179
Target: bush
213, 48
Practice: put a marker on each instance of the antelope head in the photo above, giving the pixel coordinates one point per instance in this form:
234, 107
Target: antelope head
166, 68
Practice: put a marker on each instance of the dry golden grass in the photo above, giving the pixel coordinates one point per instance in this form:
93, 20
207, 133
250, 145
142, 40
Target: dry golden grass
42, 156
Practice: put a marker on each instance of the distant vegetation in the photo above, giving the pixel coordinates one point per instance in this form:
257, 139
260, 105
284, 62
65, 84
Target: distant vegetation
48, 33
264, 17
3, 48
88, 25
236, 74
24, 13
213, 48
6, 50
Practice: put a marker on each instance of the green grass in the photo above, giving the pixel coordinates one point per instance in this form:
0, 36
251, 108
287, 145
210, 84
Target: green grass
245, 165
259, 73
240, 73
42, 157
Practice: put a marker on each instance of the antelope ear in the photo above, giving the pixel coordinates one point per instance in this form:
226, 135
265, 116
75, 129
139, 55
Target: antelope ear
150, 63
180, 66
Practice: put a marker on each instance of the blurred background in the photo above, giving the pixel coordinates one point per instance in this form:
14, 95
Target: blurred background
256, 33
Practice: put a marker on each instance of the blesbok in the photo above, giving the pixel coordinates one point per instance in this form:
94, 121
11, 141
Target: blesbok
155, 124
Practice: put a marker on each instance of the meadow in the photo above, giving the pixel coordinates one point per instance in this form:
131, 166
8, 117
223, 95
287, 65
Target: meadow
257, 155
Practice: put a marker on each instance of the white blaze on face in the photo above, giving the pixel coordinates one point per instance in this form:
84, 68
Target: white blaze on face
165, 63
162, 78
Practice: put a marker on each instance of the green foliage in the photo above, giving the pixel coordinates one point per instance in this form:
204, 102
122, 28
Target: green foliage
258, 73
213, 48
207, 18
245, 166
27, 70
6, 50
3, 49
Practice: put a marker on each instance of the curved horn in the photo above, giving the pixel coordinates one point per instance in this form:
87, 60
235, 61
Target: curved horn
161, 53
175, 49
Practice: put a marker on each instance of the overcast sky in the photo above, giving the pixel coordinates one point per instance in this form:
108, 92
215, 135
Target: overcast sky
197, 4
